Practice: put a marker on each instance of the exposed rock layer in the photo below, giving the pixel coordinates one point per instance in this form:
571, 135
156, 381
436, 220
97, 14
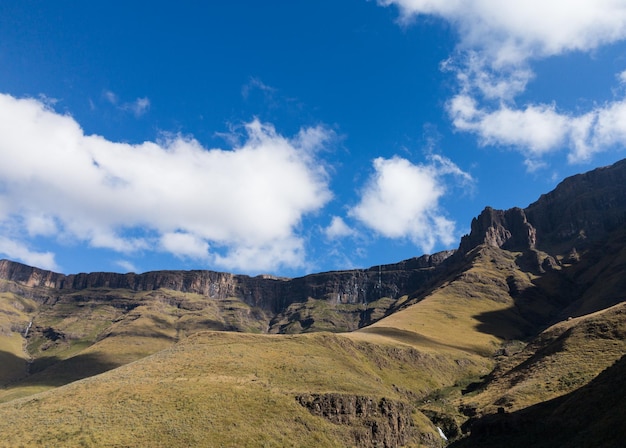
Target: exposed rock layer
381, 423
266, 292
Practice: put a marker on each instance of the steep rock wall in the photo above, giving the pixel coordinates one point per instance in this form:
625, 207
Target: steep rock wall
269, 293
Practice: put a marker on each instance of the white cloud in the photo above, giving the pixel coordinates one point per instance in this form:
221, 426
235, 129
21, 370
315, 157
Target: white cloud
138, 107
17, 250
540, 129
185, 245
338, 229
401, 200
498, 42
248, 200
287, 251
510, 31
110, 97
254, 84
40, 225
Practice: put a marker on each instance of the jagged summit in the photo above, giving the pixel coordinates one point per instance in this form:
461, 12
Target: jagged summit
508, 229
582, 209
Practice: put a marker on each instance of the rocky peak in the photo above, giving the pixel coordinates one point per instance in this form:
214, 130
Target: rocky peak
508, 229
581, 209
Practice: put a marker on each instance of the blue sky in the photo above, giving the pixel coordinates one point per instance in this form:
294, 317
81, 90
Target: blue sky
292, 137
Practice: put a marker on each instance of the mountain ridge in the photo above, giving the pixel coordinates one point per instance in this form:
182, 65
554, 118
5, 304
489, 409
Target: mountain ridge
443, 339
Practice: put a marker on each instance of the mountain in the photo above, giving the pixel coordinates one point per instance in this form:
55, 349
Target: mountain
526, 318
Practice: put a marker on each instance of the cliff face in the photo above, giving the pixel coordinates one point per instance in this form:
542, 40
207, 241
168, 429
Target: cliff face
268, 293
376, 423
582, 208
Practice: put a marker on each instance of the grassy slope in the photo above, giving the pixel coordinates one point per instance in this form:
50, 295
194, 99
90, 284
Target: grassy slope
590, 416
239, 389
225, 389
14, 317
89, 332
563, 358
473, 311
217, 388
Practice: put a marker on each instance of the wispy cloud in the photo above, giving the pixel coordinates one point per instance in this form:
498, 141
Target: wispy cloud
137, 107
244, 204
110, 97
256, 84
127, 266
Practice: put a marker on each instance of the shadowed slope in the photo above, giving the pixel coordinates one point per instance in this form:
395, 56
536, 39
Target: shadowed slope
592, 416
563, 358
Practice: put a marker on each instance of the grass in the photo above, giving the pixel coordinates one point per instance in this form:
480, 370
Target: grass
327, 315
160, 379
14, 318
472, 312
563, 358
223, 389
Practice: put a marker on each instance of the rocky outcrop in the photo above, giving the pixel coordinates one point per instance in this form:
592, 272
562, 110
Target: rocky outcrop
508, 229
377, 422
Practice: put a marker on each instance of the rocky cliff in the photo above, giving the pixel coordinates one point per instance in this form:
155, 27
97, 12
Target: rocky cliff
377, 422
581, 209
269, 293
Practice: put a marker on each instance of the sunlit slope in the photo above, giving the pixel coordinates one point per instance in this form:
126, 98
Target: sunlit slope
97, 330
472, 311
231, 389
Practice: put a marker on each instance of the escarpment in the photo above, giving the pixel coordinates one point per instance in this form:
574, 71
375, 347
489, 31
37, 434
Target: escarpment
272, 294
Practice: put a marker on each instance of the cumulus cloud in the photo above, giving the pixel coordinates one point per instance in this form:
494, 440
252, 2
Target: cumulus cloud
498, 42
540, 129
338, 229
401, 200
171, 195
185, 245
510, 32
